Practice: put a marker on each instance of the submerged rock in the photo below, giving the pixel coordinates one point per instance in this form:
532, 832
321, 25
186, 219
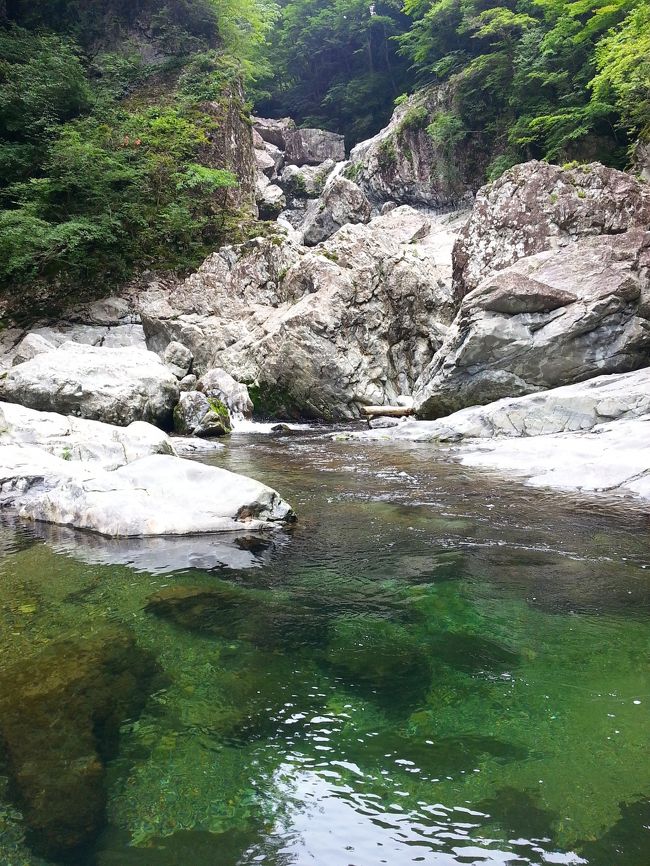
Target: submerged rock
117, 386
60, 717
158, 495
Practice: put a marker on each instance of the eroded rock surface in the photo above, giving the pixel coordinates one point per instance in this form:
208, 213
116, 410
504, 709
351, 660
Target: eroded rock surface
321, 331
569, 409
73, 438
404, 164
535, 207
156, 495
552, 318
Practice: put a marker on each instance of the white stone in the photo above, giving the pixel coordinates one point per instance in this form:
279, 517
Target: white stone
113, 385
79, 439
155, 495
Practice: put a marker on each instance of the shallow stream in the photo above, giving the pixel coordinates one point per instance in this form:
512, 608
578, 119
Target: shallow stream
431, 666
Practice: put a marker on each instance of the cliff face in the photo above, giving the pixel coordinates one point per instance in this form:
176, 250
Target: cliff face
421, 157
231, 146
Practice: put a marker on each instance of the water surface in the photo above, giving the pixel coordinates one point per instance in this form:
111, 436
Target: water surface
431, 667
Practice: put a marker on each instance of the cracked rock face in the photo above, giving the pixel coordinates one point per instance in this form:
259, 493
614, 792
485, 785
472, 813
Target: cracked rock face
322, 331
552, 318
535, 207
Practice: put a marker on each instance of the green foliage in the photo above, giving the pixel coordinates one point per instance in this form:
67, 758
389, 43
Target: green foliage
103, 140
335, 64
541, 78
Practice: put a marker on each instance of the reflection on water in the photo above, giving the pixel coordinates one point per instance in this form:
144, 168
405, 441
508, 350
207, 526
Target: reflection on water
431, 668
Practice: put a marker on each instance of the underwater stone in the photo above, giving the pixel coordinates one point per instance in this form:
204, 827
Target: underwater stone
60, 716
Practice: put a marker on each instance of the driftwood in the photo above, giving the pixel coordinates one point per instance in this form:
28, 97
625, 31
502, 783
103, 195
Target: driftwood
387, 411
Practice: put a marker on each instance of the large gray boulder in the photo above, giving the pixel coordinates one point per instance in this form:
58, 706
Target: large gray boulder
155, 495
306, 181
313, 146
117, 386
318, 332
552, 318
342, 202
274, 131
196, 415
535, 207
403, 163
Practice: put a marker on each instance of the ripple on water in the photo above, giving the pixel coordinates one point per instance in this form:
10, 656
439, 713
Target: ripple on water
430, 668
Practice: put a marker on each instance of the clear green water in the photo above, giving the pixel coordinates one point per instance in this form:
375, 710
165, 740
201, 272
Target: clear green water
432, 667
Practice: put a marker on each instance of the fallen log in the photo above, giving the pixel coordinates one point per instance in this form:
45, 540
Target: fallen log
387, 411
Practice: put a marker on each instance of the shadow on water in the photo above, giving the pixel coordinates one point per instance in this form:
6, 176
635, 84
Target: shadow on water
428, 668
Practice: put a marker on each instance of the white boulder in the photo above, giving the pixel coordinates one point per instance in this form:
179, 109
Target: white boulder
113, 385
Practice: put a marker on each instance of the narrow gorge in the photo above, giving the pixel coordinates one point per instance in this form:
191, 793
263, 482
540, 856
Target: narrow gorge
324, 433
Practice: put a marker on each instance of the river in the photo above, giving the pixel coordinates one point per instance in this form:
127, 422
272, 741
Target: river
432, 666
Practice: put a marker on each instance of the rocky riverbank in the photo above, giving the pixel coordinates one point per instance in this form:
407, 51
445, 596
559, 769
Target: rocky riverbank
360, 294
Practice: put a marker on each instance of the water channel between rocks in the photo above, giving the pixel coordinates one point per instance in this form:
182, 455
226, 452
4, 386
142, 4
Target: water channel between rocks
430, 667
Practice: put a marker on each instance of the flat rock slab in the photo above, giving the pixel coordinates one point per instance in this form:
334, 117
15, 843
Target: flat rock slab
73, 438
156, 495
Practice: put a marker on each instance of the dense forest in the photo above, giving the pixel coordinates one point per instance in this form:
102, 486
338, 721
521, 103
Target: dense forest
108, 108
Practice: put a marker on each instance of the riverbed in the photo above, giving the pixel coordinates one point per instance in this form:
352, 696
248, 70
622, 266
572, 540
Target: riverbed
431, 666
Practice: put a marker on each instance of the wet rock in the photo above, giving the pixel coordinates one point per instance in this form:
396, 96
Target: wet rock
535, 207
197, 415
220, 385
551, 319
60, 717
342, 202
610, 458
117, 386
313, 146
179, 359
